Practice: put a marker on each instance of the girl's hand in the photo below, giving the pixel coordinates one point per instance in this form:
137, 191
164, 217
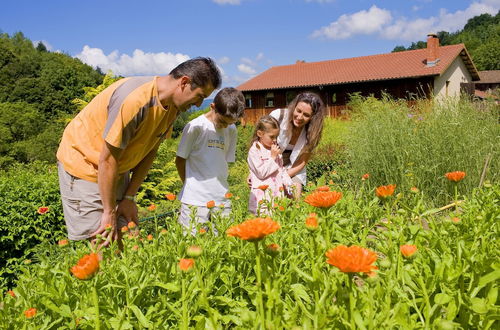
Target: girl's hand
275, 151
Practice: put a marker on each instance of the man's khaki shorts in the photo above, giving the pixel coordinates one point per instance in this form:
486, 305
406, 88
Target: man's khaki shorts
82, 205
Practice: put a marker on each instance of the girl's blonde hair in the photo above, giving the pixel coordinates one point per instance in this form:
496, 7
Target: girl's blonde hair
314, 127
263, 124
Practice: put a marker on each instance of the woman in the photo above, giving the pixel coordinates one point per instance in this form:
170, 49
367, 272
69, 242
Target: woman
301, 125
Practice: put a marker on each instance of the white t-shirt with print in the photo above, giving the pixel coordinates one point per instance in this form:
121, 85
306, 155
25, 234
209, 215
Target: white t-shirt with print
207, 151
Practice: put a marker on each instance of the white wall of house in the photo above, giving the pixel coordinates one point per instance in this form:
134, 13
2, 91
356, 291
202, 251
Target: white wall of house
448, 84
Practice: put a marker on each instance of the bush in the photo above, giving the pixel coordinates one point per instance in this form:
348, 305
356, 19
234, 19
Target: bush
23, 189
417, 146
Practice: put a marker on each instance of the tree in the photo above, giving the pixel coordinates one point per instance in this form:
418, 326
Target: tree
41, 47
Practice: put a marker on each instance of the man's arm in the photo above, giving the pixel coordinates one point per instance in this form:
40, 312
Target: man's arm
180, 163
106, 180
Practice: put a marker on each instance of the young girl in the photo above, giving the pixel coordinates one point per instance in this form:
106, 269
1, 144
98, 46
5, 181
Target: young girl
268, 177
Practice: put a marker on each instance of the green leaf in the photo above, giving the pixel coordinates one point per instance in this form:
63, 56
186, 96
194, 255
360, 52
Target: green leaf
300, 292
142, 319
442, 298
167, 286
479, 305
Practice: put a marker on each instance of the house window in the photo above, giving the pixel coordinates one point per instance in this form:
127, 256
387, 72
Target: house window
248, 101
290, 95
269, 100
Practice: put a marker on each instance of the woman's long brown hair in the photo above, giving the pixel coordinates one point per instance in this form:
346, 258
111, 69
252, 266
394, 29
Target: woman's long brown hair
314, 127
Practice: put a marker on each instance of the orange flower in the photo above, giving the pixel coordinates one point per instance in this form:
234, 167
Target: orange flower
202, 231
281, 208
29, 313
455, 176
43, 210
253, 230
385, 191
455, 219
210, 204
163, 231
170, 197
108, 227
408, 250
352, 259
131, 225
331, 182
186, 264
151, 207
228, 195
124, 229
11, 293
135, 247
312, 222
273, 249
323, 199
414, 190
263, 187
194, 251
323, 188
150, 237
63, 242
87, 266
365, 176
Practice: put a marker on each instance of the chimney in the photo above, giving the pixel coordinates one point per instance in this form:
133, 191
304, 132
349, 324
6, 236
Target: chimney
432, 49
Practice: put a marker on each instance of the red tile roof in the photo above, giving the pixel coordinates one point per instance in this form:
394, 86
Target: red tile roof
397, 65
489, 77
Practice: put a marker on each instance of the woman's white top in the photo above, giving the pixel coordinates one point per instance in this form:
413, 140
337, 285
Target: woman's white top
284, 139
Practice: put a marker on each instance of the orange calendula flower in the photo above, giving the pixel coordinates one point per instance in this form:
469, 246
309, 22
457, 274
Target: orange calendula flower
312, 222
323, 199
228, 195
323, 188
352, 259
210, 204
331, 182
151, 207
43, 210
131, 225
135, 247
170, 197
273, 249
365, 176
186, 264
253, 230
11, 293
385, 191
202, 231
455, 176
414, 190
108, 227
455, 219
86, 267
163, 231
408, 250
63, 242
150, 237
29, 313
124, 229
281, 208
263, 187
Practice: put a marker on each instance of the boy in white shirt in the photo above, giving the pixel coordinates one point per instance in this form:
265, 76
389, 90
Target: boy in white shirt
208, 143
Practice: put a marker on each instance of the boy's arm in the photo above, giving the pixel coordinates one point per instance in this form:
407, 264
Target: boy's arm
180, 163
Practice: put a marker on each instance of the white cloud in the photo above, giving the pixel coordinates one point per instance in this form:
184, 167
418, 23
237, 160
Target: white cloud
140, 63
380, 22
248, 61
246, 69
259, 56
415, 8
362, 22
223, 60
227, 2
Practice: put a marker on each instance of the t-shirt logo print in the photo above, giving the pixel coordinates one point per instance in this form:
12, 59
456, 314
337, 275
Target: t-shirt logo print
216, 143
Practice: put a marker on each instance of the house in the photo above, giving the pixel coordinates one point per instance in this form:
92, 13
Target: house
434, 71
487, 86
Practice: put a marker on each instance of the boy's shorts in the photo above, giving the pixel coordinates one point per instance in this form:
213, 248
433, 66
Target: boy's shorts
82, 205
202, 217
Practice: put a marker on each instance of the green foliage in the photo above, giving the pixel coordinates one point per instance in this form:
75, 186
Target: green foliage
23, 189
91, 92
450, 281
411, 147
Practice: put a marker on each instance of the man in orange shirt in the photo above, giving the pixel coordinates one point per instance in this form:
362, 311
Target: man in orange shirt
117, 134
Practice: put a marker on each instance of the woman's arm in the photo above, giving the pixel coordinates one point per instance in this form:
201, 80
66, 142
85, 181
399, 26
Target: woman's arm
299, 164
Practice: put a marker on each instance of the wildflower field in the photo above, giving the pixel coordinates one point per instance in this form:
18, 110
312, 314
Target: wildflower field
365, 248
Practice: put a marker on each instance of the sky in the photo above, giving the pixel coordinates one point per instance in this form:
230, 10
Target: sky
244, 37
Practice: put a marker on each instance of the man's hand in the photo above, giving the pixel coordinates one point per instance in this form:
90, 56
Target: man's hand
128, 210
108, 219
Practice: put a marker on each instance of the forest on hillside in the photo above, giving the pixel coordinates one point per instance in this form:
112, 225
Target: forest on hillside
38, 87
481, 36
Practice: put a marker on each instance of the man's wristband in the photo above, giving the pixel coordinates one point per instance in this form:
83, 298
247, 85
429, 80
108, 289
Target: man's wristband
129, 197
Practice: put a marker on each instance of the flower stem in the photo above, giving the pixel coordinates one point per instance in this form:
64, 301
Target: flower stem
351, 301
95, 299
259, 284
184, 306
456, 196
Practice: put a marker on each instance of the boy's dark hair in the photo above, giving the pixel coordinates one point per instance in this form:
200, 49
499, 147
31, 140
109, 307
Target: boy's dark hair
201, 70
230, 102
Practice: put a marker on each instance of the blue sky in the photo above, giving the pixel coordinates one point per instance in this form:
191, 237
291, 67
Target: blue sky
245, 37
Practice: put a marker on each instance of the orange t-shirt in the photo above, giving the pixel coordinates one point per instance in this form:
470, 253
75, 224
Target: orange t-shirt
127, 115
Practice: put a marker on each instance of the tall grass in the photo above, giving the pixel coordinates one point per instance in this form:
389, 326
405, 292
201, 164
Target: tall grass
415, 147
